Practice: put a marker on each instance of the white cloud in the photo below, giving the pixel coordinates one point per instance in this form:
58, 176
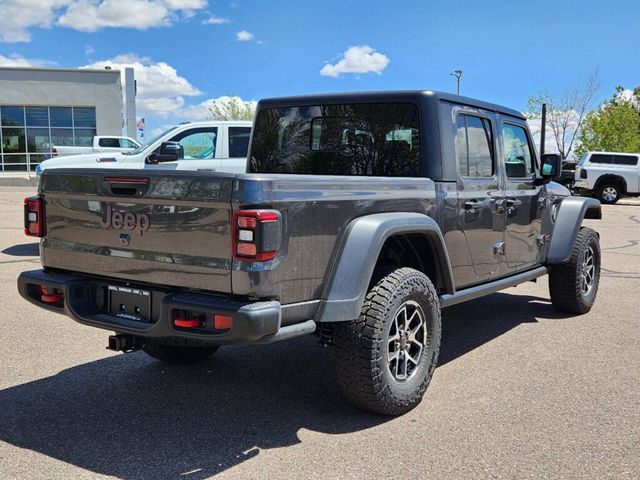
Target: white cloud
215, 20
15, 60
160, 90
360, 59
201, 112
18, 16
244, 36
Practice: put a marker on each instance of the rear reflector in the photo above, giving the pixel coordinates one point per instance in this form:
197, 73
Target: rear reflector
181, 322
222, 322
34, 225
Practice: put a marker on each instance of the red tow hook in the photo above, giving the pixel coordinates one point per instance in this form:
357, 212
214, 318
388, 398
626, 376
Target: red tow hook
50, 297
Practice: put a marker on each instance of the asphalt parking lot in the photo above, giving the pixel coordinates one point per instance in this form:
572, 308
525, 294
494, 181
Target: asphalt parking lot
521, 392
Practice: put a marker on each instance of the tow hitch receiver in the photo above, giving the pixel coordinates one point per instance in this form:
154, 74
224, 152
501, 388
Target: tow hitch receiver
124, 343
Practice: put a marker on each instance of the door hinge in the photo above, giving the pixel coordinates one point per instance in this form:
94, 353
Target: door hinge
498, 248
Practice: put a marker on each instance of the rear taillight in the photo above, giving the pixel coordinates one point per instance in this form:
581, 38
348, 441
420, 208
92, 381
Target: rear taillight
256, 235
34, 216
583, 173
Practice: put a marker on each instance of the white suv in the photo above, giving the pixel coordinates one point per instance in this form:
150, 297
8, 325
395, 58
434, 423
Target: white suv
608, 175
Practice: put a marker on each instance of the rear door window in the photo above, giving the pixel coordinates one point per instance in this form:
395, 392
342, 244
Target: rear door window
601, 158
108, 142
239, 141
474, 146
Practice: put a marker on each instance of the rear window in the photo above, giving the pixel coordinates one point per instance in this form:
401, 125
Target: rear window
361, 139
614, 159
625, 160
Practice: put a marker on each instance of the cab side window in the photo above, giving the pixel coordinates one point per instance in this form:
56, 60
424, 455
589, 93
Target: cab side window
474, 146
108, 142
239, 141
518, 159
198, 143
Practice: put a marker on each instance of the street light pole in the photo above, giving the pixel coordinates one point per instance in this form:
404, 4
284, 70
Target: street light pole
457, 74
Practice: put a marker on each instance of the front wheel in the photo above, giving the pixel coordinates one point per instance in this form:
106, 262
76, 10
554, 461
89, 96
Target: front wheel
385, 358
573, 286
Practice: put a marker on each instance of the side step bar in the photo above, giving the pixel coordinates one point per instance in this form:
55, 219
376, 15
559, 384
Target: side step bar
472, 293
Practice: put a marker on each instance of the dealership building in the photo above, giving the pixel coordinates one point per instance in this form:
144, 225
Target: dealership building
43, 107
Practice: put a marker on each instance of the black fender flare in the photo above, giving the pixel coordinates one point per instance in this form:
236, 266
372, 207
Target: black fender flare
349, 276
568, 220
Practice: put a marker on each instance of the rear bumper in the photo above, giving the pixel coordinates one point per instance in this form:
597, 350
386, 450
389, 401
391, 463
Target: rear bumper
251, 321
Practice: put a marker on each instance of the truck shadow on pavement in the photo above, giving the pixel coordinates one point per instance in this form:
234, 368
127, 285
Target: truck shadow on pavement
23, 250
132, 417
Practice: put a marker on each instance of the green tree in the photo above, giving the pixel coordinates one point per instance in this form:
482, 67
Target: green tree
232, 108
615, 127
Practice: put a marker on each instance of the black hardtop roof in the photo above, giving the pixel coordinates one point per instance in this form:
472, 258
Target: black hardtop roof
409, 96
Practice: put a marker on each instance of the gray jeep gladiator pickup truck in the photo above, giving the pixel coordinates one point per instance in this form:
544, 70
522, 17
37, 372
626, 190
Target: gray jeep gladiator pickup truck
362, 216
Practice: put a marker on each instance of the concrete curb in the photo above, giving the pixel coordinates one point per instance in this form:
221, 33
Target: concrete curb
18, 180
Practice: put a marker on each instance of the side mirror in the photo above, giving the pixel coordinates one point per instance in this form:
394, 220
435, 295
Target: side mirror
551, 167
168, 152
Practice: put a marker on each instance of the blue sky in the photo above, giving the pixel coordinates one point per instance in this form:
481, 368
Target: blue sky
508, 50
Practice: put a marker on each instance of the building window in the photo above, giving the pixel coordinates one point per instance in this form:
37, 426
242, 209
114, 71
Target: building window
28, 134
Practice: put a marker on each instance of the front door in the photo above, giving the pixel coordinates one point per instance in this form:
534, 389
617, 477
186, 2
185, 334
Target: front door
480, 215
199, 145
521, 202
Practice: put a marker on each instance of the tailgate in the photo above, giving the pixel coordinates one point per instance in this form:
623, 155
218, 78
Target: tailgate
162, 227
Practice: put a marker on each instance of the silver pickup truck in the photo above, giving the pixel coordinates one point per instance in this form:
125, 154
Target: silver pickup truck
363, 215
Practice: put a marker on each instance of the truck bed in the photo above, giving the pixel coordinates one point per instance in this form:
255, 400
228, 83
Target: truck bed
188, 240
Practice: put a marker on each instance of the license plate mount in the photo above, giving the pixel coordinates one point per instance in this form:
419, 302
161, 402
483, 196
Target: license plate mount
130, 303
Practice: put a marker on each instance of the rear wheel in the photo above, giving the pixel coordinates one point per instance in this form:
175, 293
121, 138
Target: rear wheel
609, 192
385, 358
178, 354
573, 286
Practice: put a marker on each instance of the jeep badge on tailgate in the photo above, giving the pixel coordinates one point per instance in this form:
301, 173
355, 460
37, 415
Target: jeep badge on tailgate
139, 222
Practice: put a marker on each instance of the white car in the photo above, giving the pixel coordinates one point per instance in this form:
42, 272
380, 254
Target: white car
608, 175
100, 144
213, 146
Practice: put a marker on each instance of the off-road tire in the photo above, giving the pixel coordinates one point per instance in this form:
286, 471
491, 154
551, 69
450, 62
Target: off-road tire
361, 346
608, 187
175, 354
566, 280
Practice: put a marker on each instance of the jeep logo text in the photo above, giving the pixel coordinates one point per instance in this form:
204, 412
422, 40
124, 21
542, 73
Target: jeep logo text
139, 222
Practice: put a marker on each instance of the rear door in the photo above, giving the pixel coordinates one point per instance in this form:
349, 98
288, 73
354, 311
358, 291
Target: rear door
479, 195
522, 197
237, 146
